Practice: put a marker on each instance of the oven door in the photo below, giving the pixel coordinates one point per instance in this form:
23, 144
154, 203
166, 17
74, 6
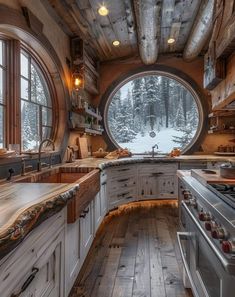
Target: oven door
206, 273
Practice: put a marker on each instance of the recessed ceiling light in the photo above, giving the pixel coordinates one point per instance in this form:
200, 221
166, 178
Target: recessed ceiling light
103, 10
171, 40
116, 43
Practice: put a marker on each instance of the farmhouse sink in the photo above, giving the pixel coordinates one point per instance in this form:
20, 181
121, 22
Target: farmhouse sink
59, 177
157, 156
87, 178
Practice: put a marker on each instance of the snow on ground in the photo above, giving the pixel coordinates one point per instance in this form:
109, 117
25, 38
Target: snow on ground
163, 139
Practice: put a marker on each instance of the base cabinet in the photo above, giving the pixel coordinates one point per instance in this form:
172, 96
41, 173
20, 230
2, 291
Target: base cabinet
157, 181
36, 267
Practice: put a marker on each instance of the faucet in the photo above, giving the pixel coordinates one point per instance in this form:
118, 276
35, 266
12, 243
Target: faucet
40, 151
153, 147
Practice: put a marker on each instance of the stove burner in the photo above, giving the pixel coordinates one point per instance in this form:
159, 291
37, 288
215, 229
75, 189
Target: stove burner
225, 191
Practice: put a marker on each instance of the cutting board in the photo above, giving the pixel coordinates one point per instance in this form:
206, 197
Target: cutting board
205, 178
83, 147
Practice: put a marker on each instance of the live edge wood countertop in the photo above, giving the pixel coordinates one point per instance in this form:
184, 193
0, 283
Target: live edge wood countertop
23, 206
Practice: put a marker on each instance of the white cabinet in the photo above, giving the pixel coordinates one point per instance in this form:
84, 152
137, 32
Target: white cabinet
36, 267
121, 185
73, 260
157, 181
86, 230
103, 193
97, 211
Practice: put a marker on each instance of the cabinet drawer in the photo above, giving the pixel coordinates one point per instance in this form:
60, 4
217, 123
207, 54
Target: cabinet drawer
158, 168
121, 183
126, 194
121, 171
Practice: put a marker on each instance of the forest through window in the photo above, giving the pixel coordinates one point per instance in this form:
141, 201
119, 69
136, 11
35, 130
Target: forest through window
153, 109
36, 108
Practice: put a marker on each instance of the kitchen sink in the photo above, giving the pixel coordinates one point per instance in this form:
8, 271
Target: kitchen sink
157, 156
87, 178
59, 177
56, 175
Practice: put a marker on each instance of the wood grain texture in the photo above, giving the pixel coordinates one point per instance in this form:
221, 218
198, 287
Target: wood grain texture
36, 197
137, 246
89, 186
24, 207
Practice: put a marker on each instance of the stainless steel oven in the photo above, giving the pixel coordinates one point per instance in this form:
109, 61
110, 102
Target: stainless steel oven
210, 271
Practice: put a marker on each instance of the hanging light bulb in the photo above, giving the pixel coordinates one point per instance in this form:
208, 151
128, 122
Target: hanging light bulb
78, 81
103, 10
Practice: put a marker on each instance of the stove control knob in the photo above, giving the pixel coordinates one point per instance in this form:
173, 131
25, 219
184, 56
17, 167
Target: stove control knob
219, 233
193, 202
204, 216
228, 246
210, 225
187, 194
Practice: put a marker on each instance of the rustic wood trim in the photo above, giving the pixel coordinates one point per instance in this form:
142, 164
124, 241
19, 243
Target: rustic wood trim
14, 22
30, 218
161, 69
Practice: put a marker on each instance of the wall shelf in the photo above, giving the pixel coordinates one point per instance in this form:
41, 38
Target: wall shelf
87, 111
225, 131
87, 131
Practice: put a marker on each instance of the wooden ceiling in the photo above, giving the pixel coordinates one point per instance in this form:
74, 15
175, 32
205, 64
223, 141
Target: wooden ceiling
175, 18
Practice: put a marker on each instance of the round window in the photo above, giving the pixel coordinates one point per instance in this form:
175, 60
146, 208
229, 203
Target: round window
153, 109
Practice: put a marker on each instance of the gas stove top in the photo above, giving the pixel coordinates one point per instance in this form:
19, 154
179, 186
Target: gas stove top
225, 191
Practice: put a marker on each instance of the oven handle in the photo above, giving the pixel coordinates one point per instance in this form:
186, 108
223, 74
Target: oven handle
186, 236
229, 268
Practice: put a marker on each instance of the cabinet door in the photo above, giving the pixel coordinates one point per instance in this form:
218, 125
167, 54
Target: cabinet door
103, 197
72, 254
45, 278
167, 186
97, 211
86, 229
148, 187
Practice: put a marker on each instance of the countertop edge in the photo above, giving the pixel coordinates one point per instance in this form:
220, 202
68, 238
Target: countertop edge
30, 218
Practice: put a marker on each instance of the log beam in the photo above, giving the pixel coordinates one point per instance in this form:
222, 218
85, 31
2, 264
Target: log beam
147, 19
201, 31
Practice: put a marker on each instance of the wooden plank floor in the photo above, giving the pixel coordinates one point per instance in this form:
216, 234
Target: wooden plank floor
135, 254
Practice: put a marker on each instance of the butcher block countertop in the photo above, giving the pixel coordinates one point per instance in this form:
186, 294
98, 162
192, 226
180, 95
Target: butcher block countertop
103, 163
23, 206
204, 177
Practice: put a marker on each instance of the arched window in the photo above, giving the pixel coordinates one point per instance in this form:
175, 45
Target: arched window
36, 105
154, 108
2, 92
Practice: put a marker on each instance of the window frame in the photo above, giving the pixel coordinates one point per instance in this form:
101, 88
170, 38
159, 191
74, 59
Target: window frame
12, 105
171, 73
4, 103
33, 60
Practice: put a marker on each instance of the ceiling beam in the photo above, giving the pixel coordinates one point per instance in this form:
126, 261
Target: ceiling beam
201, 31
147, 19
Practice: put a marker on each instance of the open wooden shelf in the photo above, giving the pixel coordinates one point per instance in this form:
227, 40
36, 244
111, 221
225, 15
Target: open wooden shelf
226, 131
221, 113
87, 111
87, 130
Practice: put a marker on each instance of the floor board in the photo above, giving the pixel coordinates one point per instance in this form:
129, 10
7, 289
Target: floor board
135, 254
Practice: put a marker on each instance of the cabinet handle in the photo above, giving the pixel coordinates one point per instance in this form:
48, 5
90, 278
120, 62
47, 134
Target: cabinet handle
157, 173
123, 180
123, 194
27, 282
86, 211
82, 216
104, 183
129, 197
125, 169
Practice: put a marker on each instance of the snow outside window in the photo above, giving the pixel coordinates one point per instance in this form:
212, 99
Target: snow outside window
152, 109
2, 92
36, 107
